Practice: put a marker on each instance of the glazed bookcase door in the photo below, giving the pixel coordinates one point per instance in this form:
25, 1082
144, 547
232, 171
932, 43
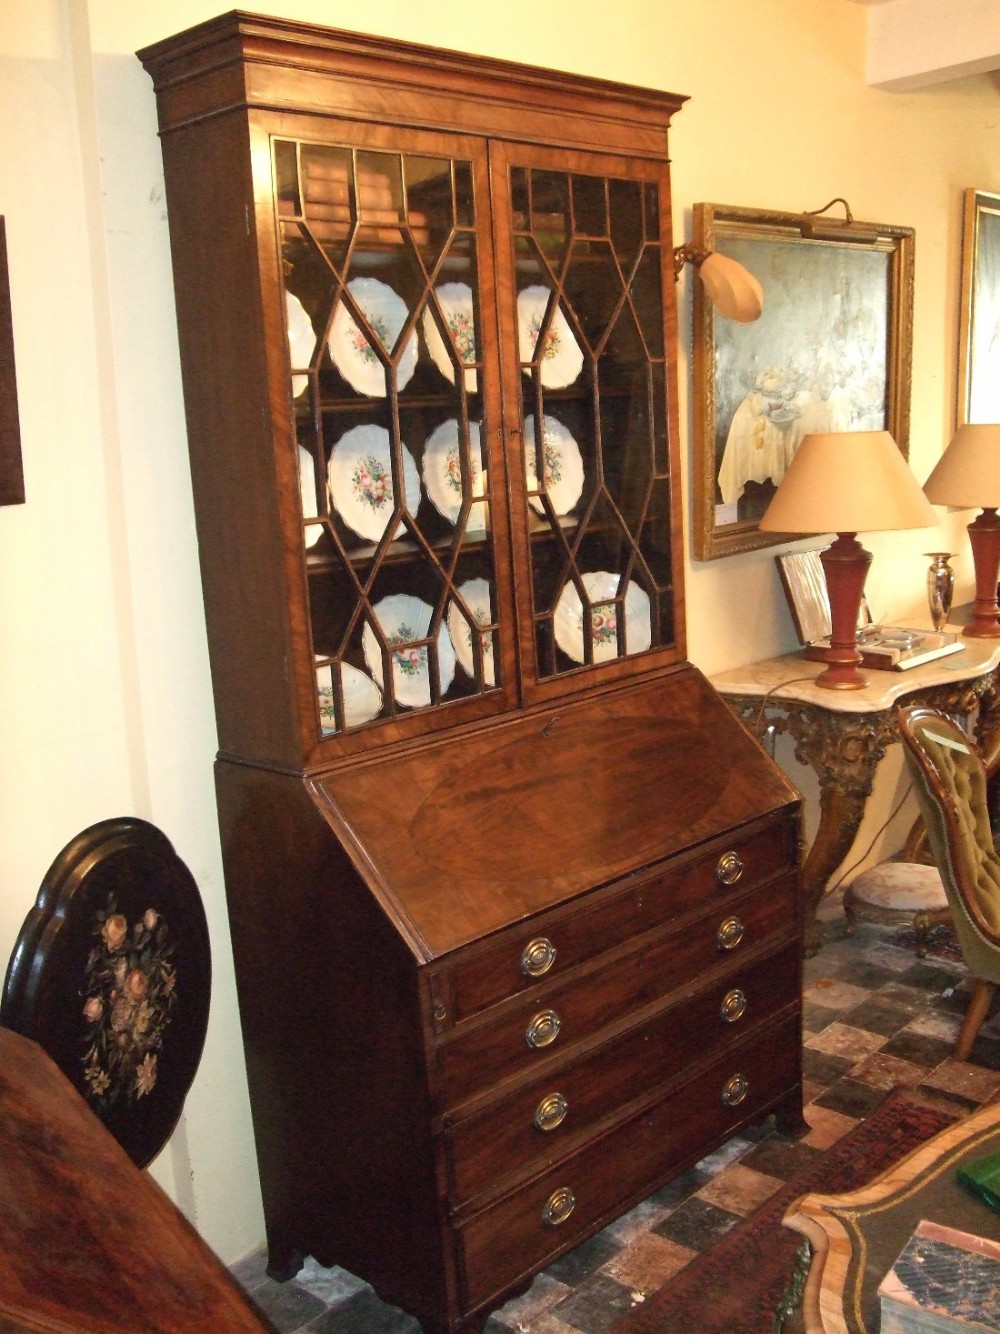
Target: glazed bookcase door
392, 374
594, 504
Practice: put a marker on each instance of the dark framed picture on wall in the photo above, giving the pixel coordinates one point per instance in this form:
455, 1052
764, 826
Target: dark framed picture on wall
979, 324
831, 352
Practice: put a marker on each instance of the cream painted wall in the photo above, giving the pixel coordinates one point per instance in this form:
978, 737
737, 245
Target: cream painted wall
106, 702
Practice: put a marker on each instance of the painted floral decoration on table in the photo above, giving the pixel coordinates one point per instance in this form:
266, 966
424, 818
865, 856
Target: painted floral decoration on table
603, 623
553, 343
463, 331
130, 991
361, 344
410, 661
486, 640
372, 482
551, 463
453, 473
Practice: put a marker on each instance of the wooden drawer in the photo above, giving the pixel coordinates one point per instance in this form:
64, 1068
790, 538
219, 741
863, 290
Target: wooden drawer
543, 1120
640, 904
613, 1171
563, 1013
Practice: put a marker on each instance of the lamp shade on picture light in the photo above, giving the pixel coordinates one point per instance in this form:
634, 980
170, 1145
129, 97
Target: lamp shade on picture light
846, 482
732, 289
967, 476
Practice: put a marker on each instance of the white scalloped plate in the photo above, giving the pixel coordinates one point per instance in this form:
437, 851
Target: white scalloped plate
443, 474
402, 620
360, 473
350, 349
561, 360
455, 300
476, 594
301, 340
568, 619
562, 465
362, 697
307, 488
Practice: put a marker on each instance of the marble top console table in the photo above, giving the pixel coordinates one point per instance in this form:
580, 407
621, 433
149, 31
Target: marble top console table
842, 734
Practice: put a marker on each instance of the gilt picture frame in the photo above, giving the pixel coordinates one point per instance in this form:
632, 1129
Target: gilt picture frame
979, 321
832, 351
11, 468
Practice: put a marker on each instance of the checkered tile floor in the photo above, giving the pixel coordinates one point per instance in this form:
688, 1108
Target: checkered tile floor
875, 1018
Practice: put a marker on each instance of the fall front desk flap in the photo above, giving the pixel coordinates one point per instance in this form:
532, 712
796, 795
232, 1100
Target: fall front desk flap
471, 833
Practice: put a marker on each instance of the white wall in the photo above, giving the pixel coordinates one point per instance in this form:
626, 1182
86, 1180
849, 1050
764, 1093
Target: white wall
105, 702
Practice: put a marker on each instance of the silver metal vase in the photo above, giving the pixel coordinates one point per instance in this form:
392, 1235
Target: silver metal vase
940, 586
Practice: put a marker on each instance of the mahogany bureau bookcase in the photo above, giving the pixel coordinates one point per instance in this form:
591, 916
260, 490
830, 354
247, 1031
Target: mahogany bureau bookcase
513, 895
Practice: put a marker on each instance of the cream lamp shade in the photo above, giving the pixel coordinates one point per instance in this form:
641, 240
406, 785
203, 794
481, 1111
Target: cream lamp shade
968, 474
846, 482
732, 289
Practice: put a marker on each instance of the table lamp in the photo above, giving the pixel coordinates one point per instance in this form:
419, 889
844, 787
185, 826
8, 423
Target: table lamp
846, 482
967, 476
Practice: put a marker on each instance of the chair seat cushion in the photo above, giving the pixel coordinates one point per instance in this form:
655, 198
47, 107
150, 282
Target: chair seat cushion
900, 886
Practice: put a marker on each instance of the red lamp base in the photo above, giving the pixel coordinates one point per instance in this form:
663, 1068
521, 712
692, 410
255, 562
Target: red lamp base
984, 534
845, 565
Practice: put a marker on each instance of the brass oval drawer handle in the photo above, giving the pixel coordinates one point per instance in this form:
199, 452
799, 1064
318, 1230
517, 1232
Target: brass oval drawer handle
735, 1091
537, 957
729, 934
551, 1111
558, 1206
734, 1006
729, 868
543, 1029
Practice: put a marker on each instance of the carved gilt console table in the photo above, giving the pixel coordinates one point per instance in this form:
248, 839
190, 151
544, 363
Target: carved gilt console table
842, 734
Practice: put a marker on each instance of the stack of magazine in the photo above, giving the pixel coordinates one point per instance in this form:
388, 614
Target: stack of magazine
884, 648
895, 648
943, 1282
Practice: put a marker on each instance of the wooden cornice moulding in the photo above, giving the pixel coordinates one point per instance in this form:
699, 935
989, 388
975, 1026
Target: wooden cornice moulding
241, 60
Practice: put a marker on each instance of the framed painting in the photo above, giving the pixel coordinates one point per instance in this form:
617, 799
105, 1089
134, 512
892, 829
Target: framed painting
979, 324
11, 471
831, 352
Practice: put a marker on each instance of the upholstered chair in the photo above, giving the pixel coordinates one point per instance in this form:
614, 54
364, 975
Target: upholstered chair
950, 781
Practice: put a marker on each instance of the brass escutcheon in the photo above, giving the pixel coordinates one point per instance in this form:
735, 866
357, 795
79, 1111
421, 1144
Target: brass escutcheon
558, 1206
729, 868
735, 1091
537, 957
543, 1029
729, 934
733, 1007
551, 1111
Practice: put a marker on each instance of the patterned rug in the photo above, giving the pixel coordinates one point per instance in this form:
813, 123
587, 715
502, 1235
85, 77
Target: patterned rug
748, 1270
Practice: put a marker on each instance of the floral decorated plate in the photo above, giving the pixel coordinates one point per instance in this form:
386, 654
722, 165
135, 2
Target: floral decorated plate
301, 340
362, 697
455, 300
353, 354
443, 474
562, 465
561, 359
568, 620
476, 595
307, 487
404, 619
360, 472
